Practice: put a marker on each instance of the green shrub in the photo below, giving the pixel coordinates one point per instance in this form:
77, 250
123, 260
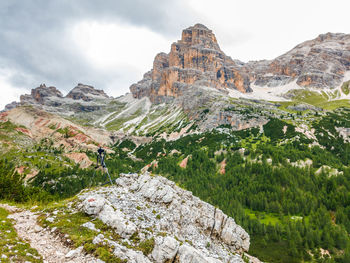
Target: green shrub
147, 246
11, 183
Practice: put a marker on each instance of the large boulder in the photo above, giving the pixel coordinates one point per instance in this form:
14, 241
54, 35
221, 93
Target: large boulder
93, 204
96, 205
188, 254
165, 249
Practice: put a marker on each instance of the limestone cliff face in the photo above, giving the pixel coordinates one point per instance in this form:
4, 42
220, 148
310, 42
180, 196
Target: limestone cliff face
195, 59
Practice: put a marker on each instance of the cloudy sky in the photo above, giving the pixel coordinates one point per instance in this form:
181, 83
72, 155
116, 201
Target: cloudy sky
110, 44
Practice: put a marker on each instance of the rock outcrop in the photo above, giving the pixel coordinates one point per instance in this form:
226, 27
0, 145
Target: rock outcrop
184, 228
82, 100
195, 59
41, 95
86, 93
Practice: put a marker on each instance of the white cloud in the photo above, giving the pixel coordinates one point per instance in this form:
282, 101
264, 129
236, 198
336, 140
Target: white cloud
9, 93
255, 29
123, 50
109, 45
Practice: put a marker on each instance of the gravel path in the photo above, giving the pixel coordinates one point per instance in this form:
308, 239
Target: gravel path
49, 246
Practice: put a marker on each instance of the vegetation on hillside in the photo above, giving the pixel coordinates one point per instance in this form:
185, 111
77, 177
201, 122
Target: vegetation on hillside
289, 191
291, 207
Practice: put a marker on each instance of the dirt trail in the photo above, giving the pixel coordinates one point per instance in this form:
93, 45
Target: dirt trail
49, 246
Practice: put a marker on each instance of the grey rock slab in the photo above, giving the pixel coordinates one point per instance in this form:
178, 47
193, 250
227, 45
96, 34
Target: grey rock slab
90, 226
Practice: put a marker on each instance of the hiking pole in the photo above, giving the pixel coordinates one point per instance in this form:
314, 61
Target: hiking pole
101, 161
104, 167
110, 179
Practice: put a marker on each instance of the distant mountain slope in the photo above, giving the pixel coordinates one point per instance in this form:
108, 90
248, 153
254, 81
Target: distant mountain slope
38, 124
319, 63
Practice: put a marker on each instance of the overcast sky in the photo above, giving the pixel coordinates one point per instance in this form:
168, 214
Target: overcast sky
110, 44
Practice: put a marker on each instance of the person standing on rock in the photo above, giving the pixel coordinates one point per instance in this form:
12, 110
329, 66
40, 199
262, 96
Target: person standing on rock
101, 153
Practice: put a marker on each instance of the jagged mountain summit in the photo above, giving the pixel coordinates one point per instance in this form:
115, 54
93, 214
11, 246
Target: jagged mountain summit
196, 58
38, 96
51, 96
86, 93
81, 98
41, 94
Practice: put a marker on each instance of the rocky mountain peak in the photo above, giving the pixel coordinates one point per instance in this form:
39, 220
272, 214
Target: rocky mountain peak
52, 100
330, 36
86, 93
200, 26
196, 59
42, 91
199, 35
40, 94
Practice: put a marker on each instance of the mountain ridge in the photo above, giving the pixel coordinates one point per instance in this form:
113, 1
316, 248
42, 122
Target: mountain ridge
197, 87
323, 62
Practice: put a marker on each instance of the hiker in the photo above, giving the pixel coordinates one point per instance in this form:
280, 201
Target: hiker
101, 157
